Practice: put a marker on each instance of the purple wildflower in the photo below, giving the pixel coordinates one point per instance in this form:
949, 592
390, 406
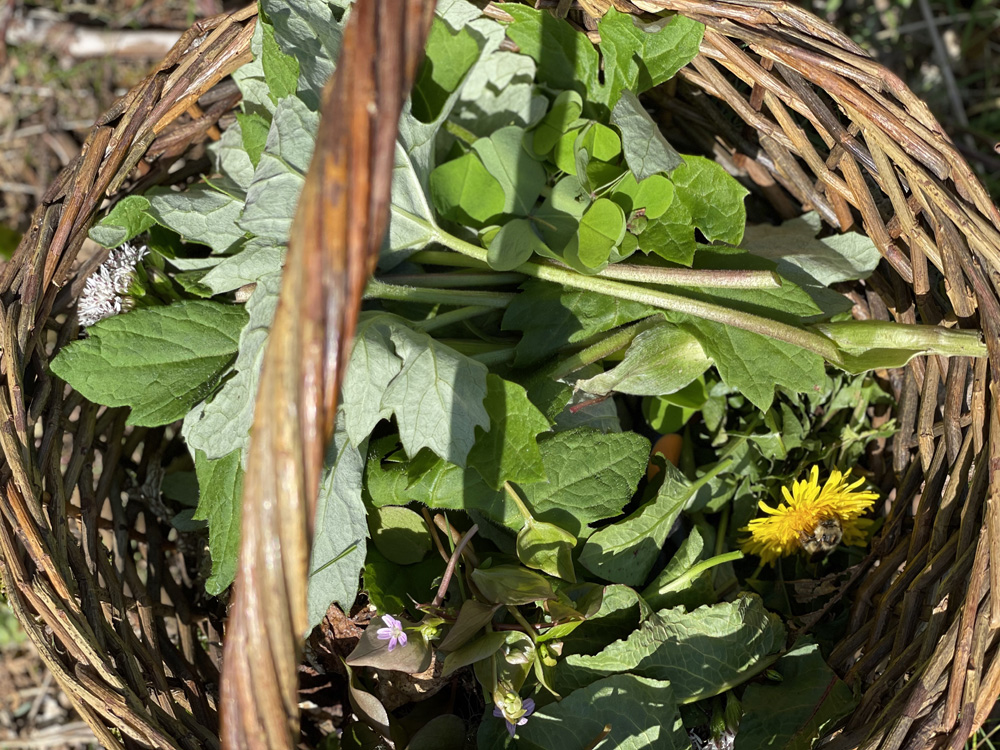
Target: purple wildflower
515, 712
393, 632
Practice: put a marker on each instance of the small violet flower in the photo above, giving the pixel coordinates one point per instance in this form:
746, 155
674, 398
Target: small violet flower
513, 710
393, 632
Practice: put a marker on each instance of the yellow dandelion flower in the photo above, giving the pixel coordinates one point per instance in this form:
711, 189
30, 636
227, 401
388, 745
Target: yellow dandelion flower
812, 518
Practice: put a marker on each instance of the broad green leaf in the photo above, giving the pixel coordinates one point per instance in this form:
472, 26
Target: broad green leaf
274, 192
508, 451
601, 228
236, 152
311, 31
390, 586
659, 361
601, 142
372, 367
257, 259
671, 236
626, 551
564, 152
250, 79
621, 611
399, 533
413, 658
514, 244
713, 197
449, 55
437, 396
551, 316
642, 55
646, 150
253, 127
220, 489
222, 425
642, 714
664, 591
411, 218
338, 551
199, 214
368, 708
281, 71
159, 361
792, 713
520, 176
129, 217
755, 364
546, 547
472, 617
482, 648
702, 653
464, 191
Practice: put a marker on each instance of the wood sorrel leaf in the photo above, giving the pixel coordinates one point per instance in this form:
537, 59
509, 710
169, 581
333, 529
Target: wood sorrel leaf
520, 176
464, 191
511, 584
546, 547
514, 244
564, 113
653, 195
601, 228
159, 361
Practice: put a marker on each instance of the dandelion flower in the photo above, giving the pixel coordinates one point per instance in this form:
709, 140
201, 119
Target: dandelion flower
106, 290
392, 632
812, 518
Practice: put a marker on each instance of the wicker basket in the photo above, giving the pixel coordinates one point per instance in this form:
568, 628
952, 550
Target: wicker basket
823, 124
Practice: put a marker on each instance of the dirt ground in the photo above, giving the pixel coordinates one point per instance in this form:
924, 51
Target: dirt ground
63, 62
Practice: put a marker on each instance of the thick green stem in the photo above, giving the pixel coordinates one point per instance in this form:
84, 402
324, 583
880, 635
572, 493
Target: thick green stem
607, 346
380, 290
452, 280
452, 316
729, 279
446, 258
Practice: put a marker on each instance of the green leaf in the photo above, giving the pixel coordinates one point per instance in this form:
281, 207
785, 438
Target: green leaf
671, 236
558, 218
220, 485
437, 396
372, 366
646, 150
411, 219
257, 259
281, 71
641, 712
546, 547
448, 58
311, 32
713, 197
552, 317
565, 111
390, 586
472, 617
273, 194
791, 714
511, 584
640, 55
755, 364
159, 361
464, 191
399, 534
659, 361
250, 79
520, 176
222, 425
626, 551
665, 591
338, 551
702, 653
601, 228
508, 451
413, 658
482, 648
253, 128
199, 214
129, 217
653, 196
514, 244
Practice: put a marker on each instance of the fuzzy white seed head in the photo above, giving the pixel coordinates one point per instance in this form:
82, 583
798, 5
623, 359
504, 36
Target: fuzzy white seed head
105, 292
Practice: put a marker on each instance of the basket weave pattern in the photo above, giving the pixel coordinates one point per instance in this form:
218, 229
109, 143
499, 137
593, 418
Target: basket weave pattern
821, 122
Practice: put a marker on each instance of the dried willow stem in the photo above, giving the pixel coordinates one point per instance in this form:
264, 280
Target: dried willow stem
337, 232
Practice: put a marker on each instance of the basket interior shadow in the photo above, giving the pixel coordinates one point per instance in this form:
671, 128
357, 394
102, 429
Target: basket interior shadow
110, 601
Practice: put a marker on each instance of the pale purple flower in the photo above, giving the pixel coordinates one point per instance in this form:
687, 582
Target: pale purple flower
105, 292
392, 632
515, 712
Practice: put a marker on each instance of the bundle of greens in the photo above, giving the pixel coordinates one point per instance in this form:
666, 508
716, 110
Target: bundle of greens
557, 288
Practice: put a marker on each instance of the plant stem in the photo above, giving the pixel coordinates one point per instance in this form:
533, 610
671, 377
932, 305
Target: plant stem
808, 340
729, 279
379, 290
459, 132
525, 513
452, 280
603, 348
452, 316
446, 258
449, 571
